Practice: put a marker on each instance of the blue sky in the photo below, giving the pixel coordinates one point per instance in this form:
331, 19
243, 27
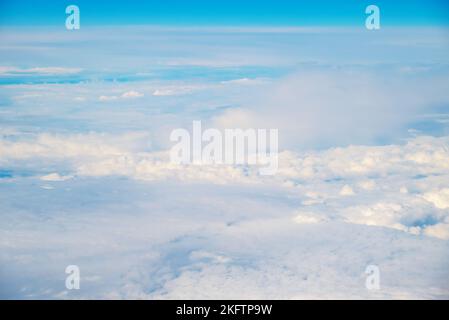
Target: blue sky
230, 12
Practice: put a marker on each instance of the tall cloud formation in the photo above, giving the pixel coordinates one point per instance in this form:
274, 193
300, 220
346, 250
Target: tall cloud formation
322, 109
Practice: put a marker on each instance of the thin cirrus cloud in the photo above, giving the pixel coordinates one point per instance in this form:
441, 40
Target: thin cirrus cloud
126, 95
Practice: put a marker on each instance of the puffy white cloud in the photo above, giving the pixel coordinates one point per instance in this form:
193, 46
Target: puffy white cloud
107, 98
141, 227
132, 94
74, 147
367, 184
378, 214
440, 198
424, 156
346, 191
175, 90
163, 92
337, 108
341, 190
308, 217
440, 230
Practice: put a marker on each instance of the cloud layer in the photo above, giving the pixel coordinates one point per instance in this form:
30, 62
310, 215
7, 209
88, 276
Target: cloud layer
363, 175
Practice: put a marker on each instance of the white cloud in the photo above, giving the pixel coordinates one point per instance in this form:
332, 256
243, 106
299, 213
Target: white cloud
71, 147
163, 92
132, 94
440, 230
334, 173
38, 71
177, 90
346, 191
367, 185
419, 156
440, 198
141, 227
336, 108
107, 98
55, 177
378, 214
308, 217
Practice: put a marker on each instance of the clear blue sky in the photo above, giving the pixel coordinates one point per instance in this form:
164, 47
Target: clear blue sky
225, 12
